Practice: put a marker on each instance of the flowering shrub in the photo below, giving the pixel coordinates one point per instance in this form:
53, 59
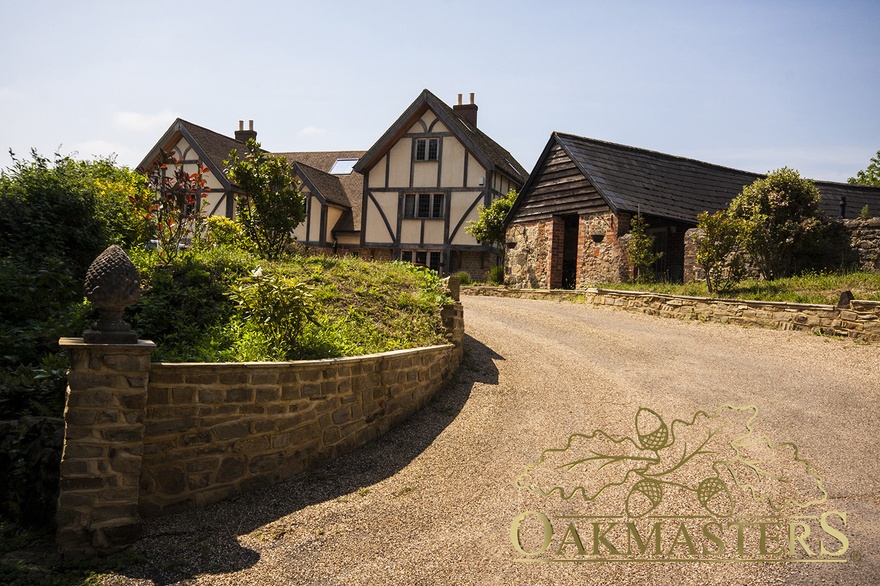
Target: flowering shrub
778, 215
177, 212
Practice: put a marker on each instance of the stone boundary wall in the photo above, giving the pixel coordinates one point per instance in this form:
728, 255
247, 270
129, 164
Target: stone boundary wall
864, 248
858, 320
216, 430
143, 439
864, 236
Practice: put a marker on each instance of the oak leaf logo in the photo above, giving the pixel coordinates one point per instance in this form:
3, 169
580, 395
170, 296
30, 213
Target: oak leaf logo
718, 459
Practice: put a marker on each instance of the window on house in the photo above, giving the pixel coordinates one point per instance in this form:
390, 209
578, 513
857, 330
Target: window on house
427, 149
425, 258
434, 260
343, 166
437, 206
423, 205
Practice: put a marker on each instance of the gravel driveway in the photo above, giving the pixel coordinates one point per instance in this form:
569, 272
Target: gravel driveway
433, 501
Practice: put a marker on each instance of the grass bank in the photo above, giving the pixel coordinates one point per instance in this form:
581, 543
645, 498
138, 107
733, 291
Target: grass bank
807, 288
191, 308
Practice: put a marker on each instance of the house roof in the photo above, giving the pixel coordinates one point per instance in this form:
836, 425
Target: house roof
212, 147
490, 154
341, 190
676, 188
323, 185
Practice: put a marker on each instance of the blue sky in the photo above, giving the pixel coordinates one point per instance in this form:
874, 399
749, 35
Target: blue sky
751, 85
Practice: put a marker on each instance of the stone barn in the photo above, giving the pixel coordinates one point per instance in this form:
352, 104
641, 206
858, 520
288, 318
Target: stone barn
570, 224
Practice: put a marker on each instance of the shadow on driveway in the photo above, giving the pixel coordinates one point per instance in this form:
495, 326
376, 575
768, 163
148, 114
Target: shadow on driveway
204, 541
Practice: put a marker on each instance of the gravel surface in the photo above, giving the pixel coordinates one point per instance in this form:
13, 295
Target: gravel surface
433, 501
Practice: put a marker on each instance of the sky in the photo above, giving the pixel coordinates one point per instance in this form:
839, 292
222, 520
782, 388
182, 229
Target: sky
750, 85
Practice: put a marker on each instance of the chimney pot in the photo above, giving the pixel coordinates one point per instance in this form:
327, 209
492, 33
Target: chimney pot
243, 135
467, 112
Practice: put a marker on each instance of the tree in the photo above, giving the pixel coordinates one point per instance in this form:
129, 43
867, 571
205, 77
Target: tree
177, 211
641, 250
719, 251
271, 205
124, 201
58, 215
869, 176
780, 214
69, 210
489, 226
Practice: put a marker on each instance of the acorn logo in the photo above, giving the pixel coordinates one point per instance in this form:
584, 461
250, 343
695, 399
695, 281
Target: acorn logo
705, 488
716, 460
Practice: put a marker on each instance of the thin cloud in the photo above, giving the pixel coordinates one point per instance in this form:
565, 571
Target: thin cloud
820, 163
312, 131
144, 123
7, 93
103, 148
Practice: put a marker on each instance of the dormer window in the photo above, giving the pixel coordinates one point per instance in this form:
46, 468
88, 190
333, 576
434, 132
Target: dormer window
427, 149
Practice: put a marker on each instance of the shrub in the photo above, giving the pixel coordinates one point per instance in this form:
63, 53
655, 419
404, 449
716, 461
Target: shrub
50, 210
30, 454
34, 390
185, 307
124, 201
489, 226
58, 215
780, 214
178, 198
640, 250
719, 252
223, 232
280, 306
464, 277
865, 213
870, 175
271, 206
38, 305
496, 275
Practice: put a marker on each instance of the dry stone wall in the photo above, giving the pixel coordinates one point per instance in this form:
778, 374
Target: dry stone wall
865, 241
858, 319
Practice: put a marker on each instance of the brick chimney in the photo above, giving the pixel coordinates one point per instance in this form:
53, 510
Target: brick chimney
468, 112
242, 135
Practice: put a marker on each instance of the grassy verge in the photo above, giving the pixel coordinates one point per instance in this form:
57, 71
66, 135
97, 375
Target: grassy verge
357, 307
808, 288
363, 307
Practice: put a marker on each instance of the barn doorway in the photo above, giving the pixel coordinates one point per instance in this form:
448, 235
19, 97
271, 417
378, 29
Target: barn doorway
569, 251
